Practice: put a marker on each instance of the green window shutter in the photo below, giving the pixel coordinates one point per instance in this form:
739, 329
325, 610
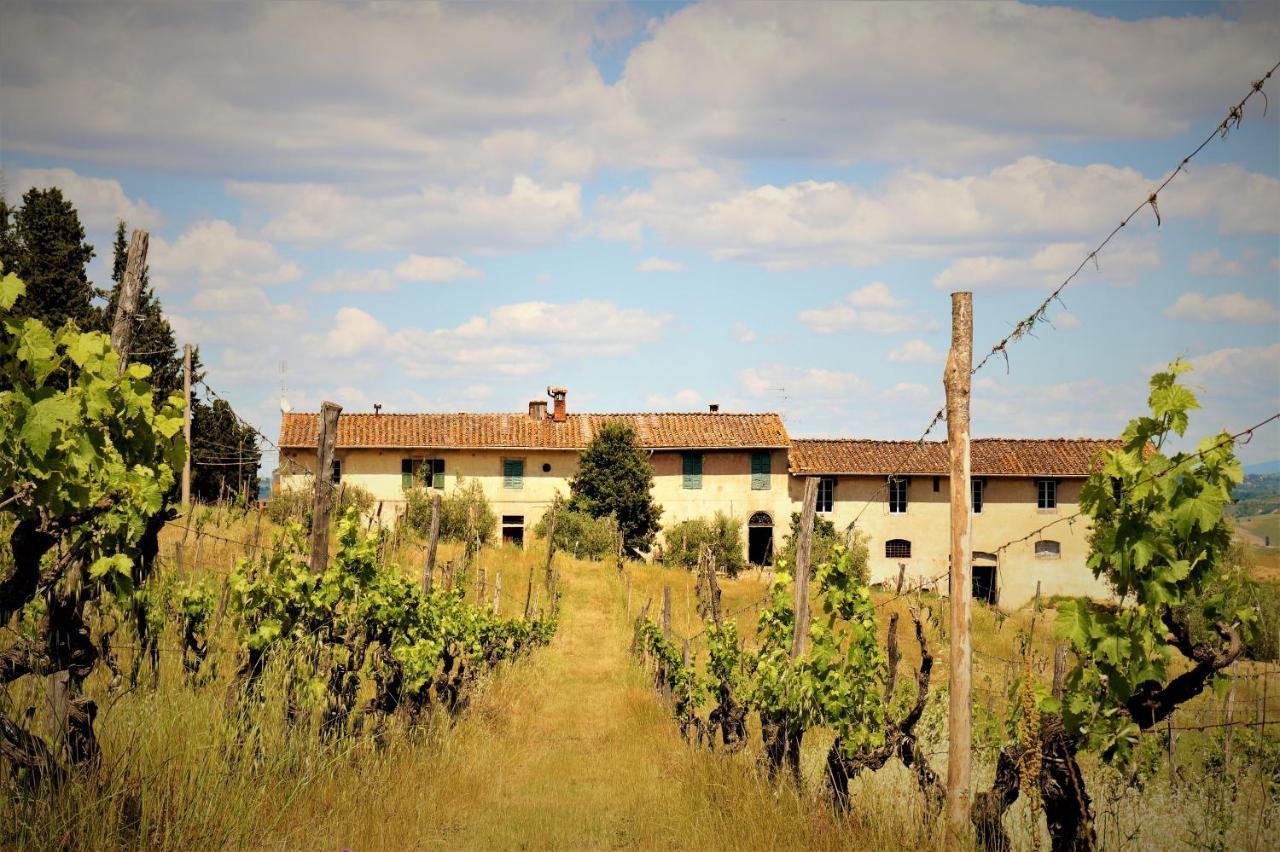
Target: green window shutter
437, 473
406, 474
691, 468
513, 473
761, 468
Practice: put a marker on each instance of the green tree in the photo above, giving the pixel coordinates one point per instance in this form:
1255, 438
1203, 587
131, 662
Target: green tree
615, 477
154, 343
722, 533
43, 243
225, 455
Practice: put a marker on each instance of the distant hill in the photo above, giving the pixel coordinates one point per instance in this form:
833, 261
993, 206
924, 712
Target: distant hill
1259, 494
1261, 468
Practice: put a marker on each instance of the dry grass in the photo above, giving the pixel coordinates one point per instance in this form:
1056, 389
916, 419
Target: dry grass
568, 748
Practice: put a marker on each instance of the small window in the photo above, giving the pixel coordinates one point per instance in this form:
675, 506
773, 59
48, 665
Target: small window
897, 548
513, 473
691, 470
897, 495
1048, 550
826, 494
761, 468
433, 472
937, 484
546, 467
336, 473
429, 472
1046, 494
979, 493
406, 474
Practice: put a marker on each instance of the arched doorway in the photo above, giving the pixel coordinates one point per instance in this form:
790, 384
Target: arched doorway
985, 582
760, 539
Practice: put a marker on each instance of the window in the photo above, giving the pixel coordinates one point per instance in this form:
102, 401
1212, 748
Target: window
1117, 490
979, 492
826, 494
513, 473
761, 467
1048, 550
336, 473
897, 496
429, 472
897, 548
1046, 494
513, 530
937, 484
691, 469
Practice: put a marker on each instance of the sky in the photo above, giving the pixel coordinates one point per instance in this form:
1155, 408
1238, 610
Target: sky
663, 206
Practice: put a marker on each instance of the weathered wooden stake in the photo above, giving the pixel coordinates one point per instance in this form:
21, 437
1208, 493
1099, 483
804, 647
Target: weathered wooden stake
1059, 669
429, 569
528, 596
1173, 754
130, 292
956, 380
902, 577
326, 442
1227, 728
666, 612
551, 544
186, 423
497, 593
481, 583
804, 550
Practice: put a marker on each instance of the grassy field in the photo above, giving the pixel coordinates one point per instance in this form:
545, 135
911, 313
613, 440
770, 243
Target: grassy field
568, 748
1263, 526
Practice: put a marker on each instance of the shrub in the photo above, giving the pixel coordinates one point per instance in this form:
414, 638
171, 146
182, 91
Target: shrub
295, 503
825, 538
352, 497
1236, 592
579, 534
722, 533
456, 509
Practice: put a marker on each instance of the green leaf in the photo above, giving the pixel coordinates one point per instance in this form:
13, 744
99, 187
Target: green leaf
45, 419
11, 287
1074, 622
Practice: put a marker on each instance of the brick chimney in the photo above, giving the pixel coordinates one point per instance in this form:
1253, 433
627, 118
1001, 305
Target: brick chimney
714, 408
559, 414
537, 409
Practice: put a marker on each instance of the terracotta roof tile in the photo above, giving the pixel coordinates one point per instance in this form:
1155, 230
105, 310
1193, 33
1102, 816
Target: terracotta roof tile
520, 431
989, 456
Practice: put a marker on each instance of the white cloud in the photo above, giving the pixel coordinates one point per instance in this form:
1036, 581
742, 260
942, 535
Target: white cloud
434, 218
354, 331
743, 333
1065, 321
1227, 307
657, 264
909, 391
417, 267
218, 315
1212, 263
212, 253
681, 400
1045, 269
100, 202
778, 382
915, 352
544, 278
356, 281
864, 309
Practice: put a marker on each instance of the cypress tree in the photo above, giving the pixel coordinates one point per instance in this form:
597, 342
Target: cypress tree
43, 242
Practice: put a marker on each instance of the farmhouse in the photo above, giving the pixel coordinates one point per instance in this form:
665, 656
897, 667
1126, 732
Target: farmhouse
1019, 486
748, 467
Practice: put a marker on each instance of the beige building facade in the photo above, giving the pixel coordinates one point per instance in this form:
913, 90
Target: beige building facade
895, 494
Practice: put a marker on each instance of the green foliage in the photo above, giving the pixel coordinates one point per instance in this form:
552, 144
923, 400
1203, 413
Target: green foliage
824, 543
42, 242
579, 534
350, 496
465, 514
722, 534
357, 604
289, 504
615, 478
225, 454
73, 437
1235, 591
1161, 545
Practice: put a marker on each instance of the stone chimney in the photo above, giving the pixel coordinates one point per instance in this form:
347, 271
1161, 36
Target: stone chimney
559, 413
714, 408
537, 409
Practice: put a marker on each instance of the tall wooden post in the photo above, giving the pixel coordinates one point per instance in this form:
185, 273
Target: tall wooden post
326, 441
429, 570
130, 292
666, 612
551, 544
804, 550
956, 380
186, 423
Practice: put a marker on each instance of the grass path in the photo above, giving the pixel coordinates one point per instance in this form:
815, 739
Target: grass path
571, 749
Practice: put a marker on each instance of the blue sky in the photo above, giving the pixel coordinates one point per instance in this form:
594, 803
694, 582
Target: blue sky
666, 205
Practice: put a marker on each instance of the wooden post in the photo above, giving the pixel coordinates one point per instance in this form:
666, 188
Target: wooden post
186, 423
956, 379
804, 549
1059, 669
326, 441
481, 582
902, 577
429, 569
1227, 728
551, 544
130, 292
666, 611
1173, 754
497, 593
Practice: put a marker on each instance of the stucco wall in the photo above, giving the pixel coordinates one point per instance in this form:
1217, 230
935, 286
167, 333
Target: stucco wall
1009, 512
